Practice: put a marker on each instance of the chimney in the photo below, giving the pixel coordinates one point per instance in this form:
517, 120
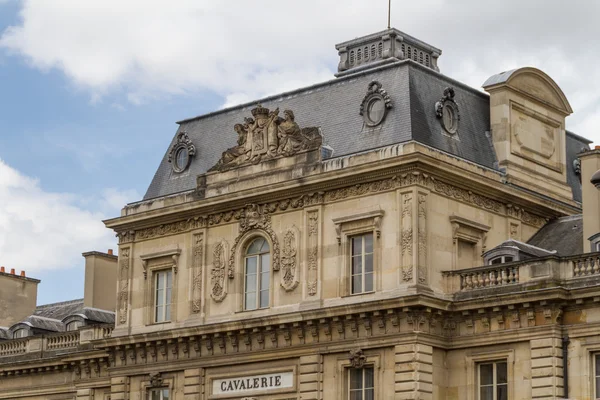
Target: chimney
19, 296
100, 280
590, 164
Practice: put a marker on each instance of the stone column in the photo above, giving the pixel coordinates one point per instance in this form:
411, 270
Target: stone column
546, 368
309, 377
192, 384
414, 372
119, 387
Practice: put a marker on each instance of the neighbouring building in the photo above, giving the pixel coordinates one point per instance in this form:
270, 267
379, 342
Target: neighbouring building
389, 234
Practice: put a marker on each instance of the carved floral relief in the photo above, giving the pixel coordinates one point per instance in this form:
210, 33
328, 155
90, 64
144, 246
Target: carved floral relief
313, 252
197, 266
123, 284
218, 275
289, 259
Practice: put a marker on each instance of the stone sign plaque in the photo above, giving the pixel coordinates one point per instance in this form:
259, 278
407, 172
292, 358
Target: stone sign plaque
253, 383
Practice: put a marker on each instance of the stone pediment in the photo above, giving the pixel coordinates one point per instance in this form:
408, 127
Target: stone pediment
266, 136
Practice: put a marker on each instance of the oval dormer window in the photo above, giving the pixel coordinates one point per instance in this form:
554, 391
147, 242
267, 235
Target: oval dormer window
376, 110
181, 159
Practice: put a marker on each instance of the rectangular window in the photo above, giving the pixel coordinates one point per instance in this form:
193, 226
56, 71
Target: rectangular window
257, 273
159, 394
597, 376
362, 263
361, 383
162, 297
493, 381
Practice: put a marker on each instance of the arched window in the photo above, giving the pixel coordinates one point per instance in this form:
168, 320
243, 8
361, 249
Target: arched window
257, 273
20, 333
74, 325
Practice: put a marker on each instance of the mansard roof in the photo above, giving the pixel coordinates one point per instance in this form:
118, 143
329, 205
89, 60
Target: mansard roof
334, 107
565, 235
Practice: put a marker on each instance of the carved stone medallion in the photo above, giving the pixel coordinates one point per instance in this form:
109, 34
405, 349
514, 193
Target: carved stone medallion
182, 152
446, 110
267, 136
375, 104
357, 358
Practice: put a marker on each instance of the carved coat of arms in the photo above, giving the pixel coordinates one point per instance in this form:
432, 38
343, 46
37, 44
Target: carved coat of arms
267, 135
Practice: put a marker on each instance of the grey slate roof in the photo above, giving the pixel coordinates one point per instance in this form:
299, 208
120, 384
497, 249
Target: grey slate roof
526, 248
565, 235
95, 315
334, 107
59, 310
43, 323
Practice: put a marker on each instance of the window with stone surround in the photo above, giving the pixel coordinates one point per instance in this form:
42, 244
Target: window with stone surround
163, 285
597, 376
159, 394
358, 238
361, 383
493, 380
257, 274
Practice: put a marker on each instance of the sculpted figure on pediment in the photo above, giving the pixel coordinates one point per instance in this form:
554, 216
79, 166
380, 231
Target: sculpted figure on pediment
266, 136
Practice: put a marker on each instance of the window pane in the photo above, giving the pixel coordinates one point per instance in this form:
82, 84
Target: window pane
368, 378
264, 299
356, 245
167, 313
160, 300
486, 393
264, 281
502, 392
250, 301
155, 395
368, 282
486, 372
355, 395
165, 394
368, 243
264, 247
251, 265
598, 366
496, 261
369, 394
169, 279
501, 373
368, 262
356, 265
265, 262
255, 246
355, 378
357, 284
508, 259
250, 283
168, 297
159, 314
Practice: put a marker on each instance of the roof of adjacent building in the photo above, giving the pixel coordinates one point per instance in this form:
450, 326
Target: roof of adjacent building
334, 107
526, 248
565, 235
60, 310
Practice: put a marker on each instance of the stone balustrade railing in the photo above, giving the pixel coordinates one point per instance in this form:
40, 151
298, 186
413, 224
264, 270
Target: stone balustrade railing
13, 347
489, 277
63, 340
54, 341
554, 268
586, 265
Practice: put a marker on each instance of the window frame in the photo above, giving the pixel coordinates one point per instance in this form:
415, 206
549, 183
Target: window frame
25, 332
78, 324
259, 271
160, 390
352, 226
474, 359
502, 259
595, 376
167, 311
349, 389
495, 383
363, 255
152, 264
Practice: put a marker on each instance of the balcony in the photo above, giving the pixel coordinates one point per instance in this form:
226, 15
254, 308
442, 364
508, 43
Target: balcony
43, 346
572, 272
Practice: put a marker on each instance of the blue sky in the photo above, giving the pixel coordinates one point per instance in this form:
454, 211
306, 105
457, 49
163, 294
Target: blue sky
90, 92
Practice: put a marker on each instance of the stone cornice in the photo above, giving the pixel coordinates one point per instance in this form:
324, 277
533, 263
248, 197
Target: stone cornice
383, 181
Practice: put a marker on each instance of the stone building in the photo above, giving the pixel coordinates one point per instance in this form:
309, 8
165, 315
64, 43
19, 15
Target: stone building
389, 234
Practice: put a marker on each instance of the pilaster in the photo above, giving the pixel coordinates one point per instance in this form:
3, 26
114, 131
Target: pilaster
546, 368
119, 387
414, 371
310, 377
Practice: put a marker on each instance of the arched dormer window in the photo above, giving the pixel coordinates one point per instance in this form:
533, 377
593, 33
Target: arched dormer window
257, 274
20, 333
74, 325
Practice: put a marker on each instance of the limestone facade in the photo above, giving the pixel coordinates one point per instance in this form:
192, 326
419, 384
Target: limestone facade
425, 318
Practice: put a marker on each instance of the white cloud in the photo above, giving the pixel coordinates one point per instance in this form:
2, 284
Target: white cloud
42, 230
242, 50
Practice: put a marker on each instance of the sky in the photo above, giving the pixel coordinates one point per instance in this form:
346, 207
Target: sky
90, 91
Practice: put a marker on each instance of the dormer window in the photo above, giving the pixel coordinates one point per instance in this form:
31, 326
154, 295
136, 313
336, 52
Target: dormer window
595, 242
20, 333
74, 325
502, 259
